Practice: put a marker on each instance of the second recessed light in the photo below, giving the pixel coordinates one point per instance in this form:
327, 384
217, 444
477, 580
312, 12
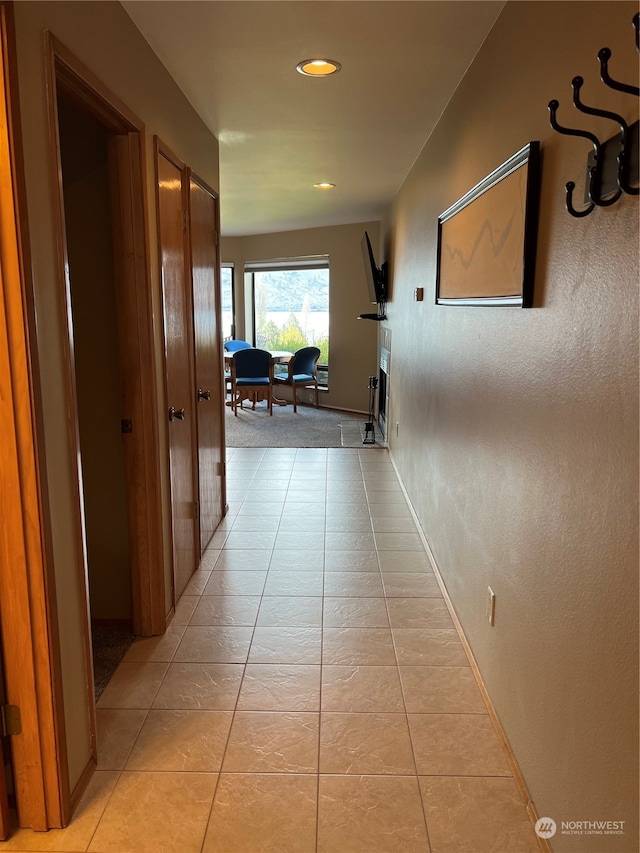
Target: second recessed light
324, 185
318, 67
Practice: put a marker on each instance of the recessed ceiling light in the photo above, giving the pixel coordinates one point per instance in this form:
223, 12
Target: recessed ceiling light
324, 185
318, 67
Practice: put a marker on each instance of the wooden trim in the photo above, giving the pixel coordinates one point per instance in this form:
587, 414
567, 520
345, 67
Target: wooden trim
29, 630
81, 785
502, 737
64, 296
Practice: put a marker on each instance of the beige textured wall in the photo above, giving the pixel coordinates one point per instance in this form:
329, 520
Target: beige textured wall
103, 37
352, 342
518, 429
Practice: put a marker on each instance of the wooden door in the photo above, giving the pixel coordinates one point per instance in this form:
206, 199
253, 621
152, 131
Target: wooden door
178, 342
203, 228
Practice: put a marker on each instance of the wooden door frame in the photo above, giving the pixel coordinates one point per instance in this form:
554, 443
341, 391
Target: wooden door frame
65, 73
29, 627
162, 150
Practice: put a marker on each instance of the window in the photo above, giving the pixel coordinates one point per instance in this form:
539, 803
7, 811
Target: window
228, 313
291, 307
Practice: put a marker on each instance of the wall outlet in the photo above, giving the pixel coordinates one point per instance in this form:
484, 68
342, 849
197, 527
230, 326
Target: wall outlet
491, 605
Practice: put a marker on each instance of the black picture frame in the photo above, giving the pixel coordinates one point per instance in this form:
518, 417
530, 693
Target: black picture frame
487, 239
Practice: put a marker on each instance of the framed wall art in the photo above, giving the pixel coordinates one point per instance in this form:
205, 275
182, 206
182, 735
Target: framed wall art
487, 239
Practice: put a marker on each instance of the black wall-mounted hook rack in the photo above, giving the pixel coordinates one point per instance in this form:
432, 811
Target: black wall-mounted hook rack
612, 167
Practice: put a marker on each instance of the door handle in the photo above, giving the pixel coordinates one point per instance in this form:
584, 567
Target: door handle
176, 414
203, 395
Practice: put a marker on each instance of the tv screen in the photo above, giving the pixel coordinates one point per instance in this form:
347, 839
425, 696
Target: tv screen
373, 274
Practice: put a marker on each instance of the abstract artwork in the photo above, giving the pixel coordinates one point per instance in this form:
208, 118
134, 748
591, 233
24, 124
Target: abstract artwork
487, 239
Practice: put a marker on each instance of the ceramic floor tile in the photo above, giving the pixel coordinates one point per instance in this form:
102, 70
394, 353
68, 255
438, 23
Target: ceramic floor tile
208, 560
410, 585
117, 729
184, 609
384, 509
290, 612
78, 834
280, 687
419, 613
404, 561
365, 744
370, 814
441, 690
400, 524
239, 610
347, 509
235, 583
353, 584
298, 522
300, 539
202, 644
294, 583
181, 741
361, 689
243, 541
296, 561
344, 524
243, 560
273, 742
268, 813
255, 523
133, 685
286, 645
465, 815
355, 613
351, 561
151, 812
351, 540
160, 648
200, 686
457, 745
197, 583
386, 541
366, 646
430, 647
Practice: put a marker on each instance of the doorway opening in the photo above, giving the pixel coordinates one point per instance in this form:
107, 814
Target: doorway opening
106, 295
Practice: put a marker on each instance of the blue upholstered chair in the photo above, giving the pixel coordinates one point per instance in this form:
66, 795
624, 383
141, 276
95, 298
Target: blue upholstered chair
234, 346
251, 374
302, 372
229, 348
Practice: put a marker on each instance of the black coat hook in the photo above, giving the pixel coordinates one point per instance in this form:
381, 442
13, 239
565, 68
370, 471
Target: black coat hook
596, 178
570, 131
604, 56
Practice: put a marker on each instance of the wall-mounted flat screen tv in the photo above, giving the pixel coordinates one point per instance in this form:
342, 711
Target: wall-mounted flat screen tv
374, 274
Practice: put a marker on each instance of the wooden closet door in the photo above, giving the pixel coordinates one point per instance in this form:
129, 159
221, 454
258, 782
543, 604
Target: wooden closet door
178, 340
203, 227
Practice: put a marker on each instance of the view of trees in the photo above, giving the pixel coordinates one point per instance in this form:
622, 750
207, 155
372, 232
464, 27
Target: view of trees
292, 310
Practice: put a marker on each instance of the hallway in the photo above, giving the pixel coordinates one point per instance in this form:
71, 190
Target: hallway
311, 692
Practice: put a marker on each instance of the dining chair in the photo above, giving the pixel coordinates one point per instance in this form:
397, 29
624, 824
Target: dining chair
251, 372
230, 347
302, 372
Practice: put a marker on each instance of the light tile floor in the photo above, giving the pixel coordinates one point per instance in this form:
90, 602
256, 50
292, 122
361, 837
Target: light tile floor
310, 694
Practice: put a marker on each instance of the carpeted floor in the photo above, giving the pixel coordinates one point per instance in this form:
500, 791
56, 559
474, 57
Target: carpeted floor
110, 644
308, 427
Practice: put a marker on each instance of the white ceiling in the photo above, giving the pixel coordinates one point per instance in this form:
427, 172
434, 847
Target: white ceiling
281, 132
